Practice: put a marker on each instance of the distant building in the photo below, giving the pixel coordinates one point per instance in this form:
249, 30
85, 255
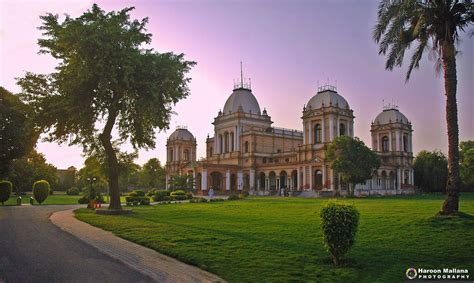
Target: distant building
247, 153
67, 177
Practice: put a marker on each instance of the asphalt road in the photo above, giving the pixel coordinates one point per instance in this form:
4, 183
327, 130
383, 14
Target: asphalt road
32, 249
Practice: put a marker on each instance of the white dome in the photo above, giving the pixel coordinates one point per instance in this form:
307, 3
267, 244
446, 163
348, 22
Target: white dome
390, 116
244, 98
327, 97
181, 134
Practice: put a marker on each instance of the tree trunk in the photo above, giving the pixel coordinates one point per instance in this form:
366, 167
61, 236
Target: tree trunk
451, 204
112, 162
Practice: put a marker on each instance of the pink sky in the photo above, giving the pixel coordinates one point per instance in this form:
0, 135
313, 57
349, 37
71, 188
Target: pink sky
286, 46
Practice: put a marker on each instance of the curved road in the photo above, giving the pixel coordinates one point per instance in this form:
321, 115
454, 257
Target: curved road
32, 249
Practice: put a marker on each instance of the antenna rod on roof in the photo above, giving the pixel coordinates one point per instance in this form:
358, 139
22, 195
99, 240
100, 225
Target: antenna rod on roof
241, 75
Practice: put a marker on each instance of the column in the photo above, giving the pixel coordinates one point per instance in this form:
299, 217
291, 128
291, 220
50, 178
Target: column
397, 141
338, 127
310, 177
194, 179
304, 132
324, 175
227, 180
378, 142
298, 179
204, 180
399, 179
331, 129
304, 176
323, 131
331, 176
252, 179
237, 138
240, 180
310, 133
266, 184
352, 128
216, 150
390, 141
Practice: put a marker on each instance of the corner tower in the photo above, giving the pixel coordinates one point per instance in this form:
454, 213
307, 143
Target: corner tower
181, 150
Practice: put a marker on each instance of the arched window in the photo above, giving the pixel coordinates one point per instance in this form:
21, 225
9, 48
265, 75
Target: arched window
342, 129
221, 143
226, 142
211, 151
171, 155
385, 144
186, 155
317, 133
406, 177
405, 143
231, 141
246, 147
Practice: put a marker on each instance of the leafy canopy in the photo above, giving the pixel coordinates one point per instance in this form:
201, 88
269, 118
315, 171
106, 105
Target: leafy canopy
432, 24
352, 159
104, 75
431, 171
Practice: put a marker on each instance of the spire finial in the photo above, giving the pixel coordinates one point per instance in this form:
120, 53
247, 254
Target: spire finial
241, 76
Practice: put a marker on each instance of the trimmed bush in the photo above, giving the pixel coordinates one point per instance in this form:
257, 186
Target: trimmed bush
189, 195
5, 191
196, 200
180, 197
41, 190
72, 191
137, 200
151, 193
339, 223
233, 197
137, 193
161, 194
178, 193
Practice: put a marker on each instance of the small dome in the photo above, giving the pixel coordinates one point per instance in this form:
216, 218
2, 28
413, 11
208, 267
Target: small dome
181, 134
327, 97
391, 115
243, 100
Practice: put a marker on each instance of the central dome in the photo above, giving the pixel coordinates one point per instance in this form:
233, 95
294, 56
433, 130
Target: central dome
244, 98
390, 115
326, 98
181, 134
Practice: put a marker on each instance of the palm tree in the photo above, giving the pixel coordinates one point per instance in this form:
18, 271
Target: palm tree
434, 25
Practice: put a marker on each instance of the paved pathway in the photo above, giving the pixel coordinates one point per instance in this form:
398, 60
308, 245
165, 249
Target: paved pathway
32, 249
155, 265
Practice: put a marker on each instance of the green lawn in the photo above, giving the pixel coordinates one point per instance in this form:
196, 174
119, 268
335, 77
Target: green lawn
279, 239
56, 198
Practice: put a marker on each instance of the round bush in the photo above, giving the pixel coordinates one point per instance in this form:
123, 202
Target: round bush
178, 193
233, 197
5, 191
339, 223
72, 191
160, 195
41, 190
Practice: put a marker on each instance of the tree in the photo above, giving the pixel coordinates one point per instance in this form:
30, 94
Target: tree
466, 153
153, 175
106, 81
17, 136
181, 182
352, 159
431, 171
30, 168
435, 25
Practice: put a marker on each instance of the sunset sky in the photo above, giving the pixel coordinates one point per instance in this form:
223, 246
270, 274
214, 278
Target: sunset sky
286, 48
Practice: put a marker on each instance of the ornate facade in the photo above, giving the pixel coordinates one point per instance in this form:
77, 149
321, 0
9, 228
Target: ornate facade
247, 153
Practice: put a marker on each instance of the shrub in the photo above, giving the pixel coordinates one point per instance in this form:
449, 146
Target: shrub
51, 192
83, 200
180, 197
339, 223
189, 195
72, 191
5, 190
196, 200
137, 193
41, 190
160, 195
233, 197
216, 199
137, 200
151, 193
178, 193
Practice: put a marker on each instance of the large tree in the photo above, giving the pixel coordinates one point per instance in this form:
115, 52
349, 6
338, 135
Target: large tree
352, 159
17, 136
106, 82
434, 25
153, 175
431, 171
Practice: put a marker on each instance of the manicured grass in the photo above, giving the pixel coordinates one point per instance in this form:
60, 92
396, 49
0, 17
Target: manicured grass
56, 198
279, 239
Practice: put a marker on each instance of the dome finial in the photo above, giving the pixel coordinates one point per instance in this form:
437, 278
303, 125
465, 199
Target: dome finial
242, 83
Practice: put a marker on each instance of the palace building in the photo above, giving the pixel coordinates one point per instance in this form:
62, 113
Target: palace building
247, 153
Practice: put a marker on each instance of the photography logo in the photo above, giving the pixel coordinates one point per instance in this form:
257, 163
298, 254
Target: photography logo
411, 273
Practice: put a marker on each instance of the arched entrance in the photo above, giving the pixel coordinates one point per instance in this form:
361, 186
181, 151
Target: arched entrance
246, 182
261, 180
384, 180
318, 180
216, 180
198, 181
272, 180
283, 179
233, 182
